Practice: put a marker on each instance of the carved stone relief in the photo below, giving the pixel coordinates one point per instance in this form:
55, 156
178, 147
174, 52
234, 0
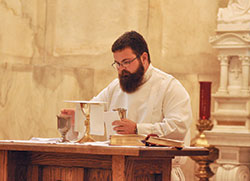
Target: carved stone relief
234, 75
236, 11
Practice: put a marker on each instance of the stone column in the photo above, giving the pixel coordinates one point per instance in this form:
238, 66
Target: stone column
232, 172
245, 74
223, 73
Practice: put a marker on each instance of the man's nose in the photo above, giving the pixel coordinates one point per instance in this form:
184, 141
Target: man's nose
121, 68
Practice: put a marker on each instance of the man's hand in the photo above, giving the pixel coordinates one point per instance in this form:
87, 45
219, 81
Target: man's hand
124, 126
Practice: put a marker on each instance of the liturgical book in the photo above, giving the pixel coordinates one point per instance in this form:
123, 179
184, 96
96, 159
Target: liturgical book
144, 140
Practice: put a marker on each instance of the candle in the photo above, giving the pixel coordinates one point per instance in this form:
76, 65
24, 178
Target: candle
205, 100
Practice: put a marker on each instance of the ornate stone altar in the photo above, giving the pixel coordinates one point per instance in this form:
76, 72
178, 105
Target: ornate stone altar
231, 116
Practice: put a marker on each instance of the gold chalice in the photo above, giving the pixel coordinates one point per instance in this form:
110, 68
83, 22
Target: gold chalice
84, 121
63, 126
86, 111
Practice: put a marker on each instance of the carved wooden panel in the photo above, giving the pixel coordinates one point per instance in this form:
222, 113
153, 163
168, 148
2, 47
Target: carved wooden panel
38, 166
98, 174
69, 160
148, 169
50, 173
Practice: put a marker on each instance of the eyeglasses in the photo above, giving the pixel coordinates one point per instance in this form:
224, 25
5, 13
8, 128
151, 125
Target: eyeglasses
125, 63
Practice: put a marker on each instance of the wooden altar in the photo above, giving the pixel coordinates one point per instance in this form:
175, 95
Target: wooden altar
69, 162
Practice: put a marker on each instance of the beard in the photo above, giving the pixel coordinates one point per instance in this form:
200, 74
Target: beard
130, 82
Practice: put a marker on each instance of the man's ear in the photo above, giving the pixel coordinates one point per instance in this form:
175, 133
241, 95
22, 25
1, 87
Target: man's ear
144, 58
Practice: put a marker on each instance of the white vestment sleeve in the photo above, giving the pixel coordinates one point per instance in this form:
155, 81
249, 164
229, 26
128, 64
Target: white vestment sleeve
177, 114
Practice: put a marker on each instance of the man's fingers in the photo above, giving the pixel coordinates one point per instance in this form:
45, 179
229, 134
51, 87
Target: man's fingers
119, 127
116, 122
123, 126
120, 132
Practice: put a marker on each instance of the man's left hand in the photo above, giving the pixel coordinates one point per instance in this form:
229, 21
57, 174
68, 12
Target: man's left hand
124, 126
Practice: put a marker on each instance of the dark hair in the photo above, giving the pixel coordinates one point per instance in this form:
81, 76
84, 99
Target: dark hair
133, 40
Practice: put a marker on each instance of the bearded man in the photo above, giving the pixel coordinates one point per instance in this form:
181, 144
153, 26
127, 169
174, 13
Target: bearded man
156, 102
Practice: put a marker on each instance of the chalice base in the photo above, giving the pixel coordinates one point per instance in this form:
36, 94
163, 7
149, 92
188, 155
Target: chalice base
86, 138
63, 140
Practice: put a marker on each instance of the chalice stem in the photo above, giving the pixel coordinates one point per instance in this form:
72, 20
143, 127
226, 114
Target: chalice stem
87, 137
64, 137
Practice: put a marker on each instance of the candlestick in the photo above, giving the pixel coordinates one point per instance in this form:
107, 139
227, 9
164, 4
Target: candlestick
205, 100
204, 123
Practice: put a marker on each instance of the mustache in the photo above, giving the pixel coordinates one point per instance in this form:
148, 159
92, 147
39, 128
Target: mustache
125, 73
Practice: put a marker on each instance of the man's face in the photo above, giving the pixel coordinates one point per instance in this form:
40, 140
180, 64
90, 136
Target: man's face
130, 75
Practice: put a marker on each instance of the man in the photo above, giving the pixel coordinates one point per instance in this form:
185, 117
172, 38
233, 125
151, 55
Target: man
156, 102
